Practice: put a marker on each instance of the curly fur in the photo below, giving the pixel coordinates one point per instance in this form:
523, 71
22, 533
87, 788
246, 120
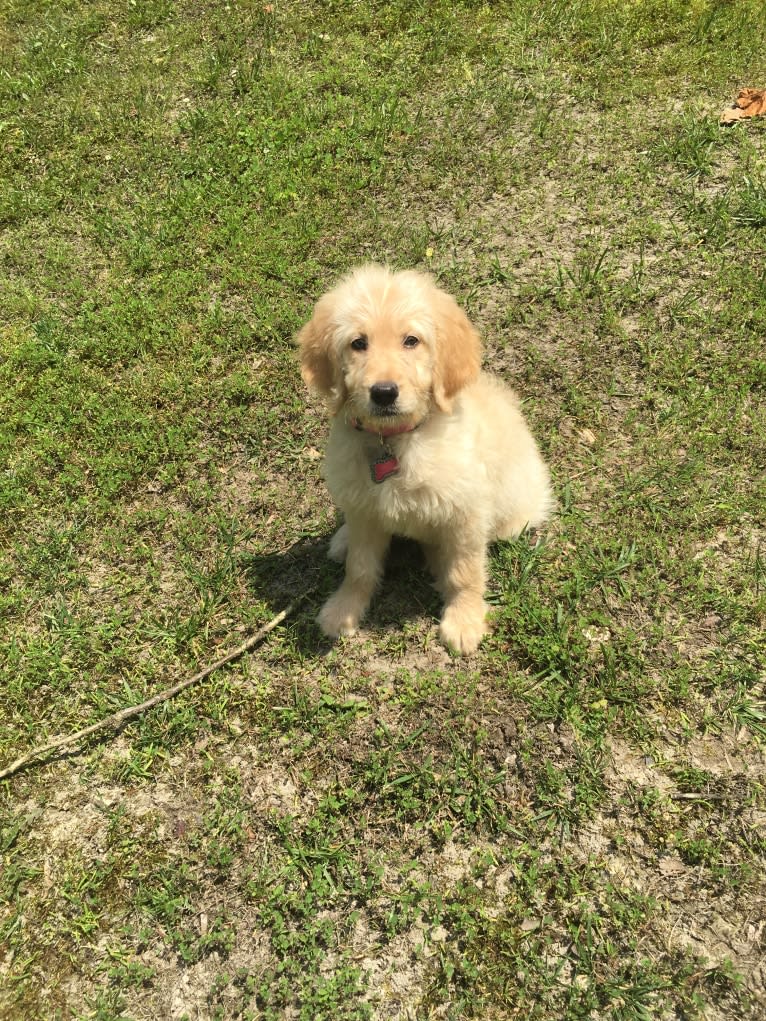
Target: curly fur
469, 471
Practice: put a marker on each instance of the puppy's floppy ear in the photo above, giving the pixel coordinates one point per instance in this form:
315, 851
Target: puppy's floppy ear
458, 351
319, 361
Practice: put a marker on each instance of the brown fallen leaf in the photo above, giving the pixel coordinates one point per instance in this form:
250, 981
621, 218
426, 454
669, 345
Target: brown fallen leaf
749, 103
671, 865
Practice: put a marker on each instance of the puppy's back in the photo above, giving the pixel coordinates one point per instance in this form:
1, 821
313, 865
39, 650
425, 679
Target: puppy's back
518, 477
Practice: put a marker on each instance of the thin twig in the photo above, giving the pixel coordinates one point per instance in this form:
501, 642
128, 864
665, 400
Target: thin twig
130, 712
691, 796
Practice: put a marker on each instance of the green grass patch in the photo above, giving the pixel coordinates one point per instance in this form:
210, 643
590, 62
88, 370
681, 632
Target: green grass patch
567, 825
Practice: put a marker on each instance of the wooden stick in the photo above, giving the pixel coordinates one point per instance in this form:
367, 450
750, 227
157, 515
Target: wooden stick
129, 712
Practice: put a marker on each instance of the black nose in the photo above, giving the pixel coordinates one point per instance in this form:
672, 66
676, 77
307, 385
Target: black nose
384, 394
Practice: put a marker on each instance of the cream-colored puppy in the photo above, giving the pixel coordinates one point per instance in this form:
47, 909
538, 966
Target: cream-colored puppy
422, 444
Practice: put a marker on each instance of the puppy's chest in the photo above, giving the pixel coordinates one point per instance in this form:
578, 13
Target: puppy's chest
405, 488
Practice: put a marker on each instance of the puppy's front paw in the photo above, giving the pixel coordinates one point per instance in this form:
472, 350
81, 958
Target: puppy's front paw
339, 615
463, 625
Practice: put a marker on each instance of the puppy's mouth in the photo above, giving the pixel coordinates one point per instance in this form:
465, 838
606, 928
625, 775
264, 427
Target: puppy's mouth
384, 421
371, 417
384, 408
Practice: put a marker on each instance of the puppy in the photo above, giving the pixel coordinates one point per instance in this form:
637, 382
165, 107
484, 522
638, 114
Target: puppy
422, 444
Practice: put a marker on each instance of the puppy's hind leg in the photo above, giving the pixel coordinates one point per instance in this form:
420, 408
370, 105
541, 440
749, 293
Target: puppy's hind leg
339, 545
367, 546
433, 557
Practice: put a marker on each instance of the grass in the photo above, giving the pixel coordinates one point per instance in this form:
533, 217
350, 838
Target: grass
567, 825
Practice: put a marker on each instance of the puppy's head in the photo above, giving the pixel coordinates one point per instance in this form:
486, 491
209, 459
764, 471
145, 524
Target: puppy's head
388, 347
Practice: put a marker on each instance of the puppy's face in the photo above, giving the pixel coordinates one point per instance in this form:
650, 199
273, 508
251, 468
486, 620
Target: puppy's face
388, 347
384, 352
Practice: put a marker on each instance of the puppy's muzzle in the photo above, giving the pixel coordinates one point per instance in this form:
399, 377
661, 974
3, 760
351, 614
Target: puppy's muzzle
383, 395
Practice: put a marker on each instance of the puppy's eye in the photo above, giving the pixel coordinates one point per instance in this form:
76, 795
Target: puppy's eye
359, 344
411, 341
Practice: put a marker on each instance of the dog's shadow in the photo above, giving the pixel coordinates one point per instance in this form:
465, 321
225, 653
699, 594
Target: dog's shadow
304, 569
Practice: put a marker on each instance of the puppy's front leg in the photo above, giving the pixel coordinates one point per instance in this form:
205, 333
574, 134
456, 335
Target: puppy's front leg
462, 577
367, 546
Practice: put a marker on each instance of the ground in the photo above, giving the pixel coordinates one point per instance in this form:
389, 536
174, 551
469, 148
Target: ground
569, 824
